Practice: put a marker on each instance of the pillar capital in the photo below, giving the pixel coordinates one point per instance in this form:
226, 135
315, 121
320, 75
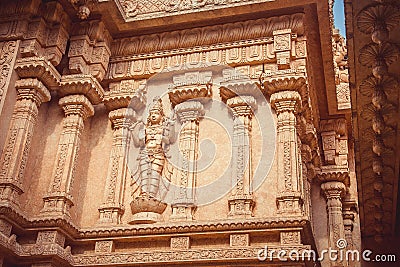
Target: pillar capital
85, 85
77, 105
32, 89
191, 86
333, 189
126, 93
122, 118
275, 85
286, 101
242, 105
189, 111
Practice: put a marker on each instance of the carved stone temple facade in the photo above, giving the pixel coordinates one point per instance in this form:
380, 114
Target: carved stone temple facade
191, 133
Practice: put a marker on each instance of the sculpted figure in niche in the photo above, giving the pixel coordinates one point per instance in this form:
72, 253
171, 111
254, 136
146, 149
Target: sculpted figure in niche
151, 177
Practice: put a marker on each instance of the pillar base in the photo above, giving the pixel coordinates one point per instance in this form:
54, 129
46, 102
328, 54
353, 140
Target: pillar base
241, 206
110, 214
290, 203
57, 205
183, 212
147, 209
146, 217
10, 191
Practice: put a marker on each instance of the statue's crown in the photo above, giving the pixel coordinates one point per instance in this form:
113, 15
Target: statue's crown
157, 105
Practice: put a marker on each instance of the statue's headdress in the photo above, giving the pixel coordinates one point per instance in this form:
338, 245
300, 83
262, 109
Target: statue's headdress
157, 105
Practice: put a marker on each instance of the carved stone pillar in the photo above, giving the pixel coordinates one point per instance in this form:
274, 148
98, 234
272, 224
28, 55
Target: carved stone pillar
289, 199
31, 93
187, 95
122, 100
189, 114
241, 202
334, 191
112, 208
58, 201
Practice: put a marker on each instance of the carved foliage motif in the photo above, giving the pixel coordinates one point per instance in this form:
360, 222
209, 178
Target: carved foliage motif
182, 242
104, 246
380, 91
7, 56
290, 238
239, 240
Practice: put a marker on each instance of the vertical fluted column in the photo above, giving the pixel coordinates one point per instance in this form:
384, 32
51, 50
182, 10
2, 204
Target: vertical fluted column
30, 94
58, 201
241, 201
286, 105
112, 208
334, 191
189, 114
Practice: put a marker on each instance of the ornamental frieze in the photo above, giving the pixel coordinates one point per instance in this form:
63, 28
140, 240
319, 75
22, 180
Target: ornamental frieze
136, 10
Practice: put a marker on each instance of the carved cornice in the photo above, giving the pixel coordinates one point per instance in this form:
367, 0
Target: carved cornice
82, 84
204, 36
126, 93
40, 68
32, 88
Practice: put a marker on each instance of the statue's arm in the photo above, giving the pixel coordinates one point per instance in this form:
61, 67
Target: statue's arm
138, 134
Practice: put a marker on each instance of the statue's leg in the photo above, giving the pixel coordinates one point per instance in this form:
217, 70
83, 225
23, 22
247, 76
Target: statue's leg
155, 178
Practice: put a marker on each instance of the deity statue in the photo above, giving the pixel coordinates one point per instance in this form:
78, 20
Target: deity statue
151, 177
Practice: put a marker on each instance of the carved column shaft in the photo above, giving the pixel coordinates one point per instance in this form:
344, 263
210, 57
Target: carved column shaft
286, 104
333, 192
189, 114
112, 208
59, 200
31, 93
241, 201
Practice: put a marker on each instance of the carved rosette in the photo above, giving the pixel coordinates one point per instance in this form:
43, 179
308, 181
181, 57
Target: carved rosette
242, 105
287, 101
58, 201
31, 93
